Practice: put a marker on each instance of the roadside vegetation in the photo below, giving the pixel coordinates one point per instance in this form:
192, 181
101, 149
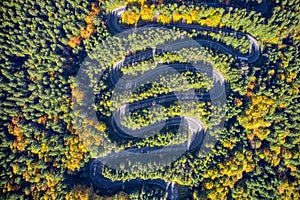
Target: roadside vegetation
44, 155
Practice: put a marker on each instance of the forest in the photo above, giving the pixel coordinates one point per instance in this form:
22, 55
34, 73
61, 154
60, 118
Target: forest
55, 125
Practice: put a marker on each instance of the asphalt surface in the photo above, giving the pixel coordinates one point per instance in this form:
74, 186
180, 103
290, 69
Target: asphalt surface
194, 125
116, 27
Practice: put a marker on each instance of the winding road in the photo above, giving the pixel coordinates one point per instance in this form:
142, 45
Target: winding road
116, 27
195, 126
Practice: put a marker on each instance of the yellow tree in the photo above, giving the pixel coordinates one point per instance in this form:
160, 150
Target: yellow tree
147, 13
130, 17
163, 19
254, 118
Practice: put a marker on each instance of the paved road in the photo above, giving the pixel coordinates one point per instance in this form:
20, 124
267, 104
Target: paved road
107, 184
195, 126
116, 27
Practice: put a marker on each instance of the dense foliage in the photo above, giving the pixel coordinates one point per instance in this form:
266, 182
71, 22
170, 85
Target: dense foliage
43, 154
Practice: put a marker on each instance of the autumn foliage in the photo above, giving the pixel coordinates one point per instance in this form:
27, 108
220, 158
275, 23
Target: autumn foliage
146, 13
130, 17
88, 30
254, 118
220, 179
74, 41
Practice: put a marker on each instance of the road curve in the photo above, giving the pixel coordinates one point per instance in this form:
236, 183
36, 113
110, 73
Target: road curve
107, 184
198, 128
215, 93
116, 27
